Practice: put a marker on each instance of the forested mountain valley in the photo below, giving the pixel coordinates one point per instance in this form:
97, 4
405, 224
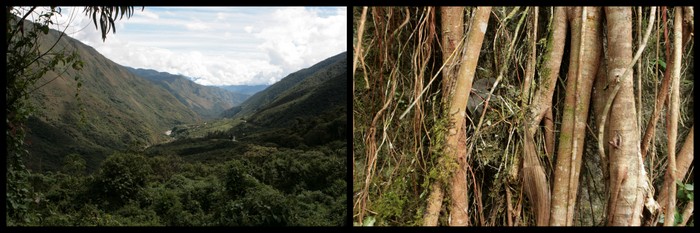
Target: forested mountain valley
109, 145
207, 101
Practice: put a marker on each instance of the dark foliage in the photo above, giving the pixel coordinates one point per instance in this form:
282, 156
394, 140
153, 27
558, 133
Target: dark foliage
257, 186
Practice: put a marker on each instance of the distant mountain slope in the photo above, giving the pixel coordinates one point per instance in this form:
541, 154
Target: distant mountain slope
319, 92
308, 106
259, 101
208, 102
120, 110
245, 89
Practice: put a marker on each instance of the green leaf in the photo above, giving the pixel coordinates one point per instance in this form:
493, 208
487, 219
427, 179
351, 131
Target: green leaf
94, 17
679, 183
103, 27
78, 65
661, 63
680, 195
689, 187
369, 221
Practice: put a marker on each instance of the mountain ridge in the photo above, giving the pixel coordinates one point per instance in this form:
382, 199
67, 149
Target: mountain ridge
208, 101
308, 107
244, 89
268, 95
116, 109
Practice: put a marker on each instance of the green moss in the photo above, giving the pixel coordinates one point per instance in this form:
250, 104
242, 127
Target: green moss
391, 205
442, 168
564, 137
549, 46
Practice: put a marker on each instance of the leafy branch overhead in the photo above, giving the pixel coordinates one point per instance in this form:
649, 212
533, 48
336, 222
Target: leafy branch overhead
107, 16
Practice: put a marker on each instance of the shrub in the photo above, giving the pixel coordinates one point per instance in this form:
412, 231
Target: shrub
238, 181
165, 166
168, 206
120, 179
262, 206
74, 164
133, 215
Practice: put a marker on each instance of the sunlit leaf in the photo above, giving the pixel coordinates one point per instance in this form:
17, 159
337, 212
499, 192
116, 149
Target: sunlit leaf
680, 184
369, 221
661, 63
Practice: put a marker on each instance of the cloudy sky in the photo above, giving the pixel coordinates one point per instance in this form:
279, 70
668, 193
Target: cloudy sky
218, 46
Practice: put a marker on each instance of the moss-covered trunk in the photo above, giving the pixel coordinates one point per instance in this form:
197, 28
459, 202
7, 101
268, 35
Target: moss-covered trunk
586, 44
535, 181
452, 23
456, 136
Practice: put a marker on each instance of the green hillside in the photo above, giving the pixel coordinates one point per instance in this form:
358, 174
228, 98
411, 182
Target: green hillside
258, 101
323, 89
116, 110
306, 108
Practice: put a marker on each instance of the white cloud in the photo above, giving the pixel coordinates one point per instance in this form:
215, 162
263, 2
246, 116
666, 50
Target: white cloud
219, 46
198, 26
147, 13
248, 29
220, 16
296, 38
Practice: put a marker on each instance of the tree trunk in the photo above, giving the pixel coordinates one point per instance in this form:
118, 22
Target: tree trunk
683, 162
586, 44
672, 126
452, 33
687, 212
542, 177
688, 24
534, 179
452, 23
625, 157
660, 100
599, 98
542, 100
456, 144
